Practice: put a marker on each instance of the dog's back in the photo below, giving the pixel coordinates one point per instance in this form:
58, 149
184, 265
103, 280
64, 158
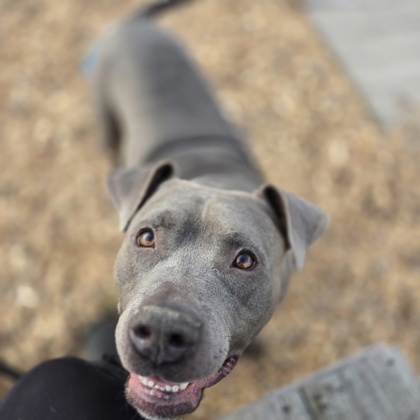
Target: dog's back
154, 104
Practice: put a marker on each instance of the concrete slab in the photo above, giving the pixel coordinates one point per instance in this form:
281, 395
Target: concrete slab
376, 384
378, 43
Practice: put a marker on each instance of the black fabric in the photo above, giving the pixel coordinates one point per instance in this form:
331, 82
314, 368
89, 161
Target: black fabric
69, 389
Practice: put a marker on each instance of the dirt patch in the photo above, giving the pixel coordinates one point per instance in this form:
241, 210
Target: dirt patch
307, 126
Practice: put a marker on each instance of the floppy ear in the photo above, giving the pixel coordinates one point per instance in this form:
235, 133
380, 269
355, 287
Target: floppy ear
130, 188
299, 221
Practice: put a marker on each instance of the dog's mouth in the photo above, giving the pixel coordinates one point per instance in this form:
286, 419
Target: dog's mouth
155, 397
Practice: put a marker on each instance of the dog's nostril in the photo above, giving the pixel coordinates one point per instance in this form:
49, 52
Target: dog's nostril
178, 341
143, 332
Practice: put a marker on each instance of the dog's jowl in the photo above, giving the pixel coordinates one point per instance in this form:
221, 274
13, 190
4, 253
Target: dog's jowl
208, 248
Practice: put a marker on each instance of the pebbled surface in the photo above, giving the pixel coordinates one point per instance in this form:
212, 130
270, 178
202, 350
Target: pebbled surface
307, 125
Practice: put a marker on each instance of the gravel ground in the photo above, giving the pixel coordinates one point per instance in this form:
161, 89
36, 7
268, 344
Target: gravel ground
307, 126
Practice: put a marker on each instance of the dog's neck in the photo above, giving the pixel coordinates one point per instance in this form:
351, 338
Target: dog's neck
220, 162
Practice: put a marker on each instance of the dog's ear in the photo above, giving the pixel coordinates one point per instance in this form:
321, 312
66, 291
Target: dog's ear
130, 188
299, 221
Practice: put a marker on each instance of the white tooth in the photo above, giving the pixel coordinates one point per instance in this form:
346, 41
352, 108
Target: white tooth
168, 388
162, 388
183, 385
150, 384
152, 392
143, 380
175, 388
157, 386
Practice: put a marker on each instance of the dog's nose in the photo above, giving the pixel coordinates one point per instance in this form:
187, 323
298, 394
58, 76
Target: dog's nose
164, 335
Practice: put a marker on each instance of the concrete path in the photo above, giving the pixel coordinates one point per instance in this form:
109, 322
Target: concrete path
376, 384
378, 43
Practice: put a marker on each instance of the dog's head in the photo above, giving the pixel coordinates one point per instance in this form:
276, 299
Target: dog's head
198, 276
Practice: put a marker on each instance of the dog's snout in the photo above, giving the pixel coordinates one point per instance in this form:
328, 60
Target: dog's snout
164, 335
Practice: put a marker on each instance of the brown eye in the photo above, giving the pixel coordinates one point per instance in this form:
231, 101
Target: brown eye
244, 261
146, 239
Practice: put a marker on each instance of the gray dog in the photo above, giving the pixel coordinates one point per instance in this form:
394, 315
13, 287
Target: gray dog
209, 248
